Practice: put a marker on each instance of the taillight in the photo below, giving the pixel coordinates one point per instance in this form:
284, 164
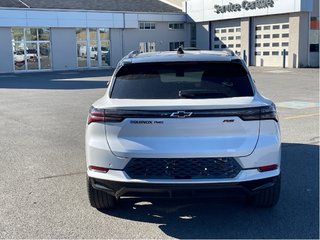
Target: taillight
98, 169
102, 115
268, 168
262, 113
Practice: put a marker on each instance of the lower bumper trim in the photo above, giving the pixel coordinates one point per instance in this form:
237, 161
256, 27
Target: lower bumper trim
119, 189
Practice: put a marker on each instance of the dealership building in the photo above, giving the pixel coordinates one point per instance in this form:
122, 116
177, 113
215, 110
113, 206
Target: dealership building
57, 35
263, 32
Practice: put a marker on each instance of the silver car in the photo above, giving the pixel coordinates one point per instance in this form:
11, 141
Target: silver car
185, 123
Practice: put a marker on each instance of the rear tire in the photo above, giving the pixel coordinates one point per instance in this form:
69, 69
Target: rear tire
267, 198
99, 199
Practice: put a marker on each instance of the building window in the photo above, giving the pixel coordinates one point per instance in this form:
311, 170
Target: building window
275, 53
193, 35
216, 31
147, 25
285, 26
93, 47
238, 45
238, 37
223, 46
175, 45
275, 44
31, 48
275, 27
105, 46
287, 53
238, 29
176, 26
257, 53
230, 38
216, 39
275, 35
258, 28
81, 34
258, 36
266, 36
224, 38
231, 30
314, 47
314, 23
266, 28
223, 30
216, 46
258, 44
285, 44
147, 47
266, 53
285, 35
266, 45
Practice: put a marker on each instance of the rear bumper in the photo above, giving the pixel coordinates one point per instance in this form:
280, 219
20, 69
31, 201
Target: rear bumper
119, 189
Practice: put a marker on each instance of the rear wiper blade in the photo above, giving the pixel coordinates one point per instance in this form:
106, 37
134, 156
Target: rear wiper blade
201, 93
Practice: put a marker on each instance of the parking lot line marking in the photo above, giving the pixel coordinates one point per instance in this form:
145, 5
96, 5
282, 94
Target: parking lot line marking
298, 104
302, 116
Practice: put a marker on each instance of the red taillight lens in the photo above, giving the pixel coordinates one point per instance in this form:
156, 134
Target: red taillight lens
268, 168
102, 115
96, 115
98, 169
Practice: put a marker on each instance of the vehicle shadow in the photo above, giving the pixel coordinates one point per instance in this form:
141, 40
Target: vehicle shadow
71, 80
295, 216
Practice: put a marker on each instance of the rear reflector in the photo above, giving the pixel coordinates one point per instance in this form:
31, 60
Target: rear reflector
98, 169
268, 168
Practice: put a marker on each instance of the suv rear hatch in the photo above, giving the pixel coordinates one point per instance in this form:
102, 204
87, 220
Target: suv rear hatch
185, 109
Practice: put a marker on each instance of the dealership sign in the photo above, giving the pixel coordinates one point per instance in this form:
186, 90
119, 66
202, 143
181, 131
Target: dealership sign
245, 5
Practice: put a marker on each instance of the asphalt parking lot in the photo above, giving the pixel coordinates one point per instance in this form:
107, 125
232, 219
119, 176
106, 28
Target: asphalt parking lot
42, 180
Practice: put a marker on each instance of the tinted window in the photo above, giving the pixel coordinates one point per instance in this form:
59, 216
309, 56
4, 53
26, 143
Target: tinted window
172, 80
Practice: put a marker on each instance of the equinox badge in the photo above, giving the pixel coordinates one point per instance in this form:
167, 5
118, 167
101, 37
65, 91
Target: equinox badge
181, 114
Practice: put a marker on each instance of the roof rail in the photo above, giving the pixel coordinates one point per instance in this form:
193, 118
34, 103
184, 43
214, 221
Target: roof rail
229, 52
133, 54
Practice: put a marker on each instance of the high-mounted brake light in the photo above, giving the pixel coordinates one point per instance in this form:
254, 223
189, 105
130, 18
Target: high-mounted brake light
268, 168
102, 115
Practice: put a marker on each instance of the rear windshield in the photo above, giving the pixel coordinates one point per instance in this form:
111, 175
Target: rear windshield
181, 80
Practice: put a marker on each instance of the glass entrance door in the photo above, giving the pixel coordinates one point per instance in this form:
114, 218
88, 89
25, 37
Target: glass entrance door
93, 47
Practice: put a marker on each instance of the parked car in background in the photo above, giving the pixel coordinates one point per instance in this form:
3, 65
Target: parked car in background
93, 52
19, 56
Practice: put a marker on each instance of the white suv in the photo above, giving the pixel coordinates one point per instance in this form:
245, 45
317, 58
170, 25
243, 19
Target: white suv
185, 123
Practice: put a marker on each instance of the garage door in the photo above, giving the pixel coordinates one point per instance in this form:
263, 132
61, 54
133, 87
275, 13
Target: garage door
227, 38
270, 41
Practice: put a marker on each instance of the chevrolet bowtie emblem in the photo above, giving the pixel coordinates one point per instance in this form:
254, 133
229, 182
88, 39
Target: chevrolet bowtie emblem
181, 114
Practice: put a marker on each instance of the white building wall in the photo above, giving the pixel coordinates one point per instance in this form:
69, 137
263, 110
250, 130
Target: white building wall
63, 48
162, 36
63, 24
6, 55
299, 40
203, 35
116, 46
204, 10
